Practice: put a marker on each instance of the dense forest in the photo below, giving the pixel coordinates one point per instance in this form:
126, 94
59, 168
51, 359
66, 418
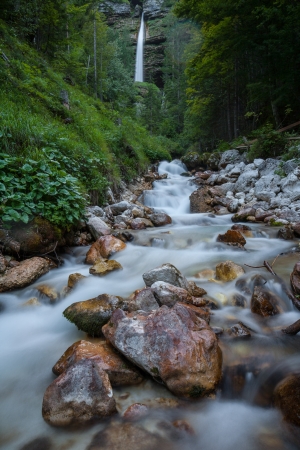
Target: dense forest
71, 114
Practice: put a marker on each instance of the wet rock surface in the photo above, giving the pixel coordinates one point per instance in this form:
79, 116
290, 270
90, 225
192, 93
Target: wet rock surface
233, 238
120, 371
91, 315
24, 274
287, 398
104, 266
190, 366
295, 279
80, 395
228, 271
130, 436
167, 273
264, 302
143, 299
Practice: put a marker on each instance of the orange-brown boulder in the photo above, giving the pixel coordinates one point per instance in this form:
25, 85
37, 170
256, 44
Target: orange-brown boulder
265, 303
108, 245
120, 371
23, 274
232, 237
172, 344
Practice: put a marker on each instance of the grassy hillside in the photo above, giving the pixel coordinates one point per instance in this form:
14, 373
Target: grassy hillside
60, 154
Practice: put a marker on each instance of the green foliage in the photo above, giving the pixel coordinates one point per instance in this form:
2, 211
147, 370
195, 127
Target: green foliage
269, 143
38, 188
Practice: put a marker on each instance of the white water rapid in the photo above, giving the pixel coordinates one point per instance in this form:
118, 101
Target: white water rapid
139, 62
34, 337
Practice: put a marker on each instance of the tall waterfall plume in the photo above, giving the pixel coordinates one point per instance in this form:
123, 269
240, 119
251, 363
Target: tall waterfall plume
139, 63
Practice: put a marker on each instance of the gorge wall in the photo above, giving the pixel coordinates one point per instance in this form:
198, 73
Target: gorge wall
126, 17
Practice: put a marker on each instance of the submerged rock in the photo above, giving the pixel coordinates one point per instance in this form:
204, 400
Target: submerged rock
91, 315
48, 292
168, 273
228, 271
121, 436
104, 266
39, 443
24, 274
80, 395
120, 371
239, 330
74, 279
173, 345
287, 398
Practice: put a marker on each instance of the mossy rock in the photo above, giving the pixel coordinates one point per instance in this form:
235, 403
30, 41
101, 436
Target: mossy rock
213, 161
192, 160
91, 315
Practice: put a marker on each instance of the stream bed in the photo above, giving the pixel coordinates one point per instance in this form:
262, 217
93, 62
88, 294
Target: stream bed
34, 337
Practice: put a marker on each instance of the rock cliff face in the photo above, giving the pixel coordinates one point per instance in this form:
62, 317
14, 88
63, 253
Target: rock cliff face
127, 17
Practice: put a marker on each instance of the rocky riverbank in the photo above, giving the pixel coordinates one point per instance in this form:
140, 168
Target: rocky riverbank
265, 191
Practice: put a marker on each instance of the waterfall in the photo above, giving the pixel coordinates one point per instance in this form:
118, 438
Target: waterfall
139, 63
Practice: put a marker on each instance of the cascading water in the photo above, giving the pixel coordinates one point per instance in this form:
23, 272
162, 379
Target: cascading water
139, 62
33, 338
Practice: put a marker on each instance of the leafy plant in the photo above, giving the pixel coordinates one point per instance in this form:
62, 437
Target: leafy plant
38, 188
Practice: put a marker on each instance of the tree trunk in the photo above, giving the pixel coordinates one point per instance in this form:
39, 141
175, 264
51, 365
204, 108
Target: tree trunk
95, 58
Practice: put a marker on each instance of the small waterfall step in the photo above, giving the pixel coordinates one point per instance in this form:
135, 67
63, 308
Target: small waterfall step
139, 63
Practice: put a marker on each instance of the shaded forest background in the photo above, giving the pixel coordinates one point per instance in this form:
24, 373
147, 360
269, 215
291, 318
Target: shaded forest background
73, 122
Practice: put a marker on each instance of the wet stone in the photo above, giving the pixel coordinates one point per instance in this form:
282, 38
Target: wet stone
233, 238
135, 412
228, 271
103, 267
295, 279
239, 330
238, 300
287, 398
39, 443
264, 303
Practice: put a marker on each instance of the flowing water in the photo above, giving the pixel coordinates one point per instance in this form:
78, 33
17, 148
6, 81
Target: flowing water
33, 338
139, 63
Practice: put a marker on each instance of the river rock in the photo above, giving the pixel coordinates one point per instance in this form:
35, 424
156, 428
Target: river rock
93, 254
168, 295
80, 395
135, 412
119, 208
143, 299
120, 371
228, 271
168, 273
295, 279
200, 200
238, 300
264, 302
23, 274
195, 290
267, 187
243, 214
97, 227
233, 238
287, 398
104, 266
286, 233
91, 315
39, 443
121, 436
290, 186
138, 224
3, 264
190, 366
47, 291
160, 219
239, 330
230, 157
108, 245
192, 160
74, 279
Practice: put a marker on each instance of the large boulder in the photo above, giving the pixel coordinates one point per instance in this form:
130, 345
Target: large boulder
192, 160
121, 436
228, 271
290, 185
91, 315
80, 395
24, 274
120, 371
168, 273
97, 227
173, 345
160, 219
287, 398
